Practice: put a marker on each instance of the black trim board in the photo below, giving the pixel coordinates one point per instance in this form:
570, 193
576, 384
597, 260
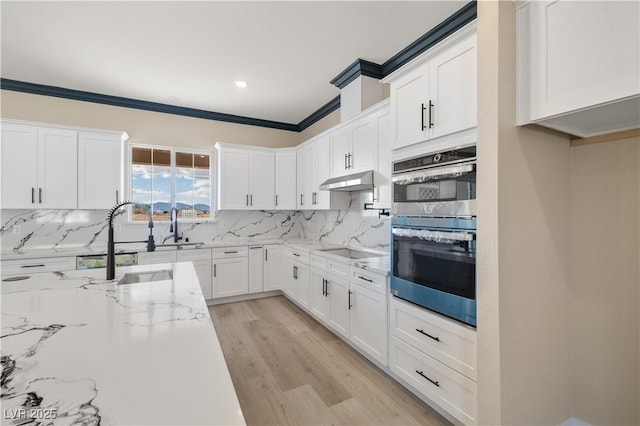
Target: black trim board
78, 95
360, 67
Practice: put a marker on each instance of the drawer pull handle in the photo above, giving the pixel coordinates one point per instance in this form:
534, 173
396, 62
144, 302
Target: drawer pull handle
33, 195
253, 248
40, 195
32, 266
350, 305
364, 278
296, 254
435, 382
230, 252
437, 339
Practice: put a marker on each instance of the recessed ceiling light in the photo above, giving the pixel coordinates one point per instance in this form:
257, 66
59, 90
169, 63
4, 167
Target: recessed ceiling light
241, 84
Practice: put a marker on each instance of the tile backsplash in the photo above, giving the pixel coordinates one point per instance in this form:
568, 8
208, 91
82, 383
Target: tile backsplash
24, 230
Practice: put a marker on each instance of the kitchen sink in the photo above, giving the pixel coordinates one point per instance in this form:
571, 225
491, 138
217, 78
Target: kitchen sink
349, 253
178, 246
146, 277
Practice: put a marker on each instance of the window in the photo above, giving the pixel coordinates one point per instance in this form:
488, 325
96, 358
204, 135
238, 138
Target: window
166, 177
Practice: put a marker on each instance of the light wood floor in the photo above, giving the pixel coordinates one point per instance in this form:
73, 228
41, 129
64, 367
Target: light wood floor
289, 370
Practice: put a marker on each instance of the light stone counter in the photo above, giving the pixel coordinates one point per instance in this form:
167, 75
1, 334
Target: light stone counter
88, 351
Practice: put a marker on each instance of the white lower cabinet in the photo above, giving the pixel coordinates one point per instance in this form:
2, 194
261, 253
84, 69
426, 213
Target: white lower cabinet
201, 259
339, 304
230, 271
33, 266
301, 282
256, 269
318, 300
154, 257
288, 280
436, 356
368, 321
272, 267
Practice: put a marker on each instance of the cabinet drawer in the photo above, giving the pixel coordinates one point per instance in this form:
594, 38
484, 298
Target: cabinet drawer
452, 391
150, 258
225, 252
370, 280
296, 255
193, 254
444, 339
338, 268
318, 261
32, 266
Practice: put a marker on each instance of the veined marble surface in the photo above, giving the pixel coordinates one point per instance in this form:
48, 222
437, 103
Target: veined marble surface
63, 230
91, 352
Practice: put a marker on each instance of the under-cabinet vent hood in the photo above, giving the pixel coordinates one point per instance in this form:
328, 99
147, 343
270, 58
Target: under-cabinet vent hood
362, 181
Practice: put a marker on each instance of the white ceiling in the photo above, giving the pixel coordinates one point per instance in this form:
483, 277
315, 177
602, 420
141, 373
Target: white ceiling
190, 53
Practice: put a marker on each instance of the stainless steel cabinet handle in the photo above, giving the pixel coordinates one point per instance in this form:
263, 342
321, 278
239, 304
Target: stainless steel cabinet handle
345, 161
33, 195
430, 113
301, 203
365, 278
214, 269
349, 161
253, 248
276, 199
32, 266
247, 201
117, 197
40, 195
326, 288
435, 382
266, 255
296, 254
422, 126
350, 305
295, 272
437, 339
230, 252
251, 199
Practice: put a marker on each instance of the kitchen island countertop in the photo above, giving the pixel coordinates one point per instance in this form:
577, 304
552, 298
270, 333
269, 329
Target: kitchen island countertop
88, 351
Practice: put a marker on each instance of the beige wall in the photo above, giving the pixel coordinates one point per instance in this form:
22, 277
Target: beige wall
605, 321
523, 251
144, 127
318, 127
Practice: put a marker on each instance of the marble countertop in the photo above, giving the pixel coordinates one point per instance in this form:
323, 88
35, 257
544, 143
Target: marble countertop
94, 352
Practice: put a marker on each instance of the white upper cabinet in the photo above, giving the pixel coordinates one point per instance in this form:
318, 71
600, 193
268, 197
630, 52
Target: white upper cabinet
246, 178
436, 94
39, 167
100, 169
285, 197
382, 179
578, 65
19, 166
306, 176
262, 183
354, 147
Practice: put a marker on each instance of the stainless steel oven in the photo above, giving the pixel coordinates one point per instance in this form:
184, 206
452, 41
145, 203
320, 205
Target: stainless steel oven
438, 184
433, 264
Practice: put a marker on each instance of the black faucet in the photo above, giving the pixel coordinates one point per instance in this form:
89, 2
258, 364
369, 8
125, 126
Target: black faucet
174, 225
111, 254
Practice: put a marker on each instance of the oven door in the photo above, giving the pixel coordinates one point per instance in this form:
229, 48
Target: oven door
436, 191
436, 268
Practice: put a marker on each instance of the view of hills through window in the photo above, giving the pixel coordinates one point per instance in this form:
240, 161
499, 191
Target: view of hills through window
166, 178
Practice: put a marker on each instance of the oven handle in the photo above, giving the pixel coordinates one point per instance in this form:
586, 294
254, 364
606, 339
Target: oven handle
437, 236
436, 173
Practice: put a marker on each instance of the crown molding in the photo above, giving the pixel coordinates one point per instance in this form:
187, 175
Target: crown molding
320, 113
355, 70
79, 95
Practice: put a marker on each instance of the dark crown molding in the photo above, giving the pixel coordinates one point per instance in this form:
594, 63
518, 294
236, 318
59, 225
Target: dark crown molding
360, 67
78, 95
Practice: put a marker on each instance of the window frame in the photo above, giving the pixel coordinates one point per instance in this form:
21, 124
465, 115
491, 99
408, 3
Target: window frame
173, 150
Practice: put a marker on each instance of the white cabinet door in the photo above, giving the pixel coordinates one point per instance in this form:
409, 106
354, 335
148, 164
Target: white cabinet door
288, 277
453, 89
155, 257
262, 183
301, 278
272, 267
19, 166
368, 322
233, 182
339, 301
256, 269
409, 103
321, 200
307, 177
57, 168
230, 277
100, 170
340, 150
382, 179
364, 145
318, 300
285, 197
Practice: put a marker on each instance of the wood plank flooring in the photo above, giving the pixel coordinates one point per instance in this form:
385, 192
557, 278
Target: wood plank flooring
290, 370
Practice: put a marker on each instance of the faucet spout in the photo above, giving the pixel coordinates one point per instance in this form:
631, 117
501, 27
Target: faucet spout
174, 225
111, 256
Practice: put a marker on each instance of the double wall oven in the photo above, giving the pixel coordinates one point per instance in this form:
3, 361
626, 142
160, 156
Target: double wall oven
434, 232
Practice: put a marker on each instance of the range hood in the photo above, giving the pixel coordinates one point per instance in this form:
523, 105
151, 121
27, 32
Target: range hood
362, 181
